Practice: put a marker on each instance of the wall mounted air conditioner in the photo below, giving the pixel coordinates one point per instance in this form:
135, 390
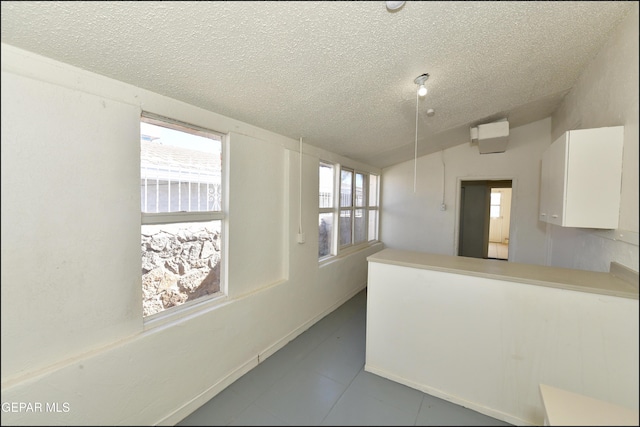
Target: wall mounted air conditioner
491, 137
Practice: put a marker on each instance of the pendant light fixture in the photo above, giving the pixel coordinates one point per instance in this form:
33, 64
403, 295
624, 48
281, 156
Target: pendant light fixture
422, 91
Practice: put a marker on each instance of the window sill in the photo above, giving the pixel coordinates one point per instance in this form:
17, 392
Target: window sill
351, 250
176, 314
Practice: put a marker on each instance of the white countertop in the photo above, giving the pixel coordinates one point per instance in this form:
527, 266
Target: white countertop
555, 277
564, 408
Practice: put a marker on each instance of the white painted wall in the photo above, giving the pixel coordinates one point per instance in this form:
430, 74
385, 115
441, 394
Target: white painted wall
426, 329
414, 221
606, 94
72, 325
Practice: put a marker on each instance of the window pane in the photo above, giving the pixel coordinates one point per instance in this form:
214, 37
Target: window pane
373, 225
179, 171
495, 198
495, 204
326, 186
346, 182
180, 262
345, 228
325, 235
360, 230
360, 194
373, 190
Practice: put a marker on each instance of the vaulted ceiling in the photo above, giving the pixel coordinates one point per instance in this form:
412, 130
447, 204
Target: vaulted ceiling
339, 74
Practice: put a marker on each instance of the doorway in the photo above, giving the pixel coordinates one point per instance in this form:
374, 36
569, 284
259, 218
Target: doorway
485, 217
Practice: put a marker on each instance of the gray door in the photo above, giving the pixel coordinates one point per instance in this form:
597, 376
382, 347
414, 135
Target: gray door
474, 219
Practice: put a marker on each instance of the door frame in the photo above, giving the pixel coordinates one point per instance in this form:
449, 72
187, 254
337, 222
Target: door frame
514, 201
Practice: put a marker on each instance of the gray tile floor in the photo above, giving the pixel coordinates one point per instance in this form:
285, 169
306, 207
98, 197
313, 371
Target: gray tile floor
319, 379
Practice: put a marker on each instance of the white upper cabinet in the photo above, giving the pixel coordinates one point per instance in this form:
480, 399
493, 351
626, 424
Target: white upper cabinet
581, 178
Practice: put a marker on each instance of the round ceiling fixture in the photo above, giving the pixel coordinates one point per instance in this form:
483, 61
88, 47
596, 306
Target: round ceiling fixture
395, 5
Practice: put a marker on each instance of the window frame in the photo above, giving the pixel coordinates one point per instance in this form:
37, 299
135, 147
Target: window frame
375, 207
353, 206
329, 210
349, 209
365, 207
174, 217
159, 218
493, 205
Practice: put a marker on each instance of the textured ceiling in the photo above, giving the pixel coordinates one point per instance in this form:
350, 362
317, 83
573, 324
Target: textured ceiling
339, 74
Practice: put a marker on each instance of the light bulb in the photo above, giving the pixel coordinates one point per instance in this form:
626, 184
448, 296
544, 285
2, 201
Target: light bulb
422, 90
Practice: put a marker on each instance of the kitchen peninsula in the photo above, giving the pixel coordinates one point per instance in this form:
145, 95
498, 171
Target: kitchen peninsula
486, 333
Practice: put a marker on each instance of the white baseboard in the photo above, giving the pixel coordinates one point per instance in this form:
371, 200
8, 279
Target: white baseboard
450, 398
189, 407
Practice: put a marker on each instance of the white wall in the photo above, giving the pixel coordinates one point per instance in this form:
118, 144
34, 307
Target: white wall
606, 94
72, 325
414, 221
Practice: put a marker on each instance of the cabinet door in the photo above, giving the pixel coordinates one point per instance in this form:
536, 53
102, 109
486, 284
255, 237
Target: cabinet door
594, 170
557, 180
545, 186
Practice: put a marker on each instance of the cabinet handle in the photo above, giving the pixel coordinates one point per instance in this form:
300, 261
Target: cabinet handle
554, 216
543, 214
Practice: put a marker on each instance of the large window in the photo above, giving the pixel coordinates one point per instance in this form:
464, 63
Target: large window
181, 206
326, 205
356, 208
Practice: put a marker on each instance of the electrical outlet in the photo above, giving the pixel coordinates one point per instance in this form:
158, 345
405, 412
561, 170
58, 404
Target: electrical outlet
301, 238
443, 207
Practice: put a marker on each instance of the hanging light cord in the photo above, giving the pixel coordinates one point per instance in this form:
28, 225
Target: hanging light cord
415, 155
300, 192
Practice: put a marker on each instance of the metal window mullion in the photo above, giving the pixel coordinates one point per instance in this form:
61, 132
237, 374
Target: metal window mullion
365, 212
169, 188
352, 208
353, 225
354, 189
207, 198
337, 176
179, 189
189, 187
146, 189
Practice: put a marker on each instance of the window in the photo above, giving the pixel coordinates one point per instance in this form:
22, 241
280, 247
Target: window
373, 208
356, 208
346, 207
326, 210
181, 210
495, 204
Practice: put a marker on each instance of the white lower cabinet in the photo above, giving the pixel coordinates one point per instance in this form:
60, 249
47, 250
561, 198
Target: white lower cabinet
581, 179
